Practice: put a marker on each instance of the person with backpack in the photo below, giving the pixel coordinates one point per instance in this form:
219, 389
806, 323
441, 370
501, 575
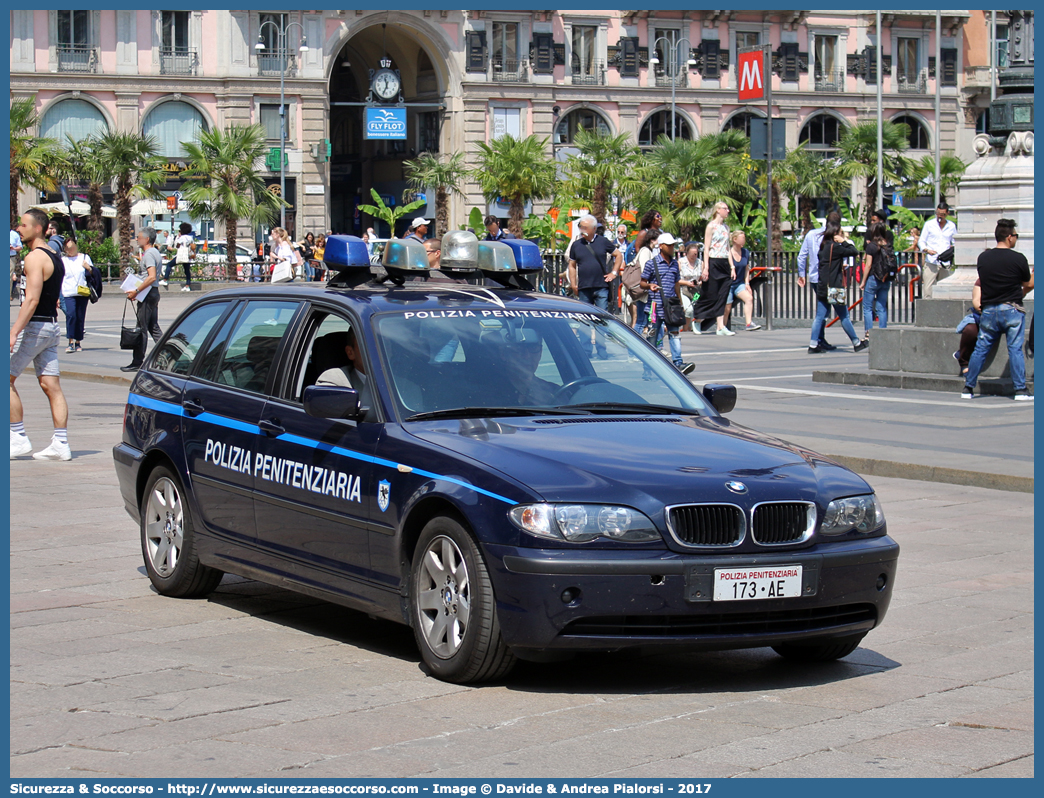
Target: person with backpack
879, 270
830, 292
649, 226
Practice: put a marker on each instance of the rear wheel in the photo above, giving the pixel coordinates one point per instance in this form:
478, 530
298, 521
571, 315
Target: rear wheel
454, 612
819, 652
168, 541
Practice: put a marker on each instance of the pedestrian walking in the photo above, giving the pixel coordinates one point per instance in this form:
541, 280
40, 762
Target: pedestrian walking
418, 229
589, 270
935, 239
639, 295
833, 250
494, 232
880, 216
740, 288
318, 254
55, 240
808, 262
1005, 278
879, 266
718, 270
651, 221
75, 293
282, 256
184, 250
621, 237
146, 297
690, 269
660, 278
35, 337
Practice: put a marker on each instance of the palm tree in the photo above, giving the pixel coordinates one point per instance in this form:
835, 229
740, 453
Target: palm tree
805, 175
33, 159
445, 174
132, 161
604, 168
683, 179
84, 164
517, 170
224, 181
858, 150
951, 170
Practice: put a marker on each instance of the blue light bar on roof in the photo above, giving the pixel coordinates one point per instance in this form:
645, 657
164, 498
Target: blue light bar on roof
346, 252
527, 255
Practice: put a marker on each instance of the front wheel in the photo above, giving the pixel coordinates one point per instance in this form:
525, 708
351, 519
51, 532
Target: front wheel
454, 612
168, 541
819, 652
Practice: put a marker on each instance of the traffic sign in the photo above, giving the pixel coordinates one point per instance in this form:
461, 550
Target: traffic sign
751, 80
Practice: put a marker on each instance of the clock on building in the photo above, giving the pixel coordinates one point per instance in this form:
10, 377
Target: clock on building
386, 83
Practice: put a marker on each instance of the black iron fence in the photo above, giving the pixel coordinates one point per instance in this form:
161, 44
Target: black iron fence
789, 301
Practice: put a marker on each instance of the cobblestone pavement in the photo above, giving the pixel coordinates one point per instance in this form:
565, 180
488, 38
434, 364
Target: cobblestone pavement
110, 679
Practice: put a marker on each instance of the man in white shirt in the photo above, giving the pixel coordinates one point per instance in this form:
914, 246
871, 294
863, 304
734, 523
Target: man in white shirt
936, 237
352, 375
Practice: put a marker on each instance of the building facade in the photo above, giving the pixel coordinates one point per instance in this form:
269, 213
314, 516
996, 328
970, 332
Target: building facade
468, 76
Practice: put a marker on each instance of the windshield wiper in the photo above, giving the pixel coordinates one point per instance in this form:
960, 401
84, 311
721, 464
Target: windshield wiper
493, 412
624, 407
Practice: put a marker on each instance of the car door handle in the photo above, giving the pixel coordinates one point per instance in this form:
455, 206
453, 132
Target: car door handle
271, 428
192, 406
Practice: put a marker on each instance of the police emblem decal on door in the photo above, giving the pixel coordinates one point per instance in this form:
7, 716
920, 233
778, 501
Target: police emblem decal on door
383, 494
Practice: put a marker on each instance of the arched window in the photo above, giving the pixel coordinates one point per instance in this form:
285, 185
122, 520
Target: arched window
740, 121
821, 133
172, 123
76, 118
579, 119
918, 135
659, 124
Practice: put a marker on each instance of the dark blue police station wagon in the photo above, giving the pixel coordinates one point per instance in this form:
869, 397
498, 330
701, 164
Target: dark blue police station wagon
460, 456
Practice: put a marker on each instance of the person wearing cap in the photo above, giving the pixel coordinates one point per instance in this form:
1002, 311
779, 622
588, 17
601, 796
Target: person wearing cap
418, 229
661, 278
494, 232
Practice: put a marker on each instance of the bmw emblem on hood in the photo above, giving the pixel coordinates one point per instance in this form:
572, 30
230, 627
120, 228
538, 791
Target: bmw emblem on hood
736, 487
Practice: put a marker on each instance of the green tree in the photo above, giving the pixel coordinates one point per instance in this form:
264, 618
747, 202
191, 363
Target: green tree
84, 164
951, 170
605, 168
444, 174
682, 179
858, 150
132, 161
389, 215
805, 175
33, 160
517, 170
225, 182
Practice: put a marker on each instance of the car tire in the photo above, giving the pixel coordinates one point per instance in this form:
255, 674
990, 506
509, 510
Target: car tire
453, 608
168, 539
819, 652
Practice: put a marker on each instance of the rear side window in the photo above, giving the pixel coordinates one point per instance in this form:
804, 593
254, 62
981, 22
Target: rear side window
253, 342
178, 352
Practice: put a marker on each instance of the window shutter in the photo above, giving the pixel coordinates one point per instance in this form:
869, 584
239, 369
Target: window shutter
476, 45
949, 66
543, 57
871, 65
790, 60
711, 63
629, 57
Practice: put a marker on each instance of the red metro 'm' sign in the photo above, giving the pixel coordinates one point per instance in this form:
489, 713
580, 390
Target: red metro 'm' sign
750, 67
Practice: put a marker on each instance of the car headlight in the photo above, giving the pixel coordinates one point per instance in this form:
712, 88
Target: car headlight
852, 514
581, 523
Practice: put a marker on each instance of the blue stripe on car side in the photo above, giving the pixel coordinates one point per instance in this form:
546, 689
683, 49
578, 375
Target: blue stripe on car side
224, 421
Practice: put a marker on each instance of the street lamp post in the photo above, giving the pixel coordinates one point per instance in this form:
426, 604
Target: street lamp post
281, 31
671, 51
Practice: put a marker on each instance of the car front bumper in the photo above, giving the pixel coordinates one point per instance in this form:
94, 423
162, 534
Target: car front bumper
606, 600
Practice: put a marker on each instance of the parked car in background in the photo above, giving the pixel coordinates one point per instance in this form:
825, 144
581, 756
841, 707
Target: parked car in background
216, 253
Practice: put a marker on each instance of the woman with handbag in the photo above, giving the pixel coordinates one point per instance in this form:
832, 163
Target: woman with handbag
282, 257
75, 292
661, 278
830, 291
184, 251
718, 270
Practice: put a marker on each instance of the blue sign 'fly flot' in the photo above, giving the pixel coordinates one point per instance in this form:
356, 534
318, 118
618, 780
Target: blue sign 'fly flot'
385, 123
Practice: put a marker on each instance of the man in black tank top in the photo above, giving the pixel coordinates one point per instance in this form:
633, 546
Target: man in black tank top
35, 337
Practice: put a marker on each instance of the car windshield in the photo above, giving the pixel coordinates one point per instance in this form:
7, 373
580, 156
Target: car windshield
525, 362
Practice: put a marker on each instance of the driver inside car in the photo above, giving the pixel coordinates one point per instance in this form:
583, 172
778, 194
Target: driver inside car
352, 375
524, 349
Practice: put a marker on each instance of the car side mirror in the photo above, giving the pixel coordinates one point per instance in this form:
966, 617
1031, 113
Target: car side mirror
722, 397
332, 401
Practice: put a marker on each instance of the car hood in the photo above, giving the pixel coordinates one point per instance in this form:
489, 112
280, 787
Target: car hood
645, 462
